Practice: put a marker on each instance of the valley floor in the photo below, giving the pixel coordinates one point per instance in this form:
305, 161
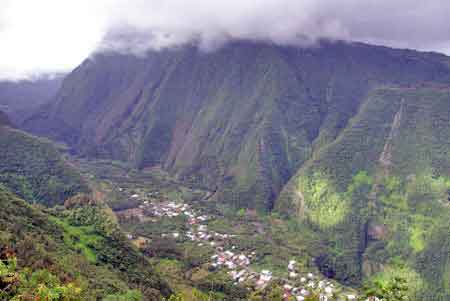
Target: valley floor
200, 244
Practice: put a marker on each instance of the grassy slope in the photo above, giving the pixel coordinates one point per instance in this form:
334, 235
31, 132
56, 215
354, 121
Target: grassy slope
71, 246
401, 215
34, 169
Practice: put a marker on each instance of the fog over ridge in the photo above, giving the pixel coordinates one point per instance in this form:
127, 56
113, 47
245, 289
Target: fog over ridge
56, 35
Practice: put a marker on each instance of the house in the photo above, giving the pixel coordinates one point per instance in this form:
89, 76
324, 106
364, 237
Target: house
291, 265
241, 273
304, 292
260, 283
293, 275
311, 284
323, 298
266, 275
233, 275
229, 264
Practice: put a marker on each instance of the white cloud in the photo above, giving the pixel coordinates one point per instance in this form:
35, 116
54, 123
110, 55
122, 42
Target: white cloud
47, 35
56, 35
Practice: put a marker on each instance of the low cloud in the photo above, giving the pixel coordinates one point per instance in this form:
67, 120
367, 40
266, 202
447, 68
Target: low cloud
55, 35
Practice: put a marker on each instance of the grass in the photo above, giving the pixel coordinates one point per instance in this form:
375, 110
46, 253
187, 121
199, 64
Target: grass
81, 238
33, 168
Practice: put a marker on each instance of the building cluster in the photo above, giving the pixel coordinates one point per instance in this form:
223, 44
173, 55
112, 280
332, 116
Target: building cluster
237, 263
301, 287
166, 209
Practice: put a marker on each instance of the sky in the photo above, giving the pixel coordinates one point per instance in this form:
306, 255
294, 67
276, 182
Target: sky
45, 36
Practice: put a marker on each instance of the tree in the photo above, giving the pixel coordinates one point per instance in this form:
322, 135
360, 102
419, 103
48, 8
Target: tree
9, 278
394, 290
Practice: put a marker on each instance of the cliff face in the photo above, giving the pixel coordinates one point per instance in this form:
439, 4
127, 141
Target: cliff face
379, 193
243, 118
351, 140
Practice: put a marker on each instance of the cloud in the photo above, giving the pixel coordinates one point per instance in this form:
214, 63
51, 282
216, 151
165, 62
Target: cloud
48, 35
56, 35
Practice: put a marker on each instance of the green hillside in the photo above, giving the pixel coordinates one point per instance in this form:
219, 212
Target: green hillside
74, 254
34, 169
352, 140
380, 192
241, 119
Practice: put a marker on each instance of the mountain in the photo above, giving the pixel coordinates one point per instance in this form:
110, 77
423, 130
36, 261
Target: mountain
243, 118
379, 194
75, 254
4, 119
20, 98
75, 251
350, 139
34, 169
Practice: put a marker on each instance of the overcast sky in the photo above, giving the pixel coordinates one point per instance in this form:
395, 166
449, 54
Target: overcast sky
56, 35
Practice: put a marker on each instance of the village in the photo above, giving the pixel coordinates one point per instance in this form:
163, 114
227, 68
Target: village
297, 284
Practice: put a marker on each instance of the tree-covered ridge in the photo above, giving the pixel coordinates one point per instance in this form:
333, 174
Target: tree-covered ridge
78, 251
350, 139
241, 119
395, 152
33, 169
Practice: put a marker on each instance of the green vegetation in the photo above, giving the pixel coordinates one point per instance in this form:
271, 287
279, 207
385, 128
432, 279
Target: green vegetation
325, 206
82, 238
38, 285
349, 145
395, 289
243, 119
62, 252
33, 169
399, 218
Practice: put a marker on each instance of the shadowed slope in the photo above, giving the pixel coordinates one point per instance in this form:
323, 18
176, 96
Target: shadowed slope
243, 118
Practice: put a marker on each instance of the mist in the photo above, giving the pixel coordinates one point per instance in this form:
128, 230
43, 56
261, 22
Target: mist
56, 35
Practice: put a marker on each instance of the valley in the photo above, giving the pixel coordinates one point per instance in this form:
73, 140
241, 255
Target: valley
256, 171
196, 243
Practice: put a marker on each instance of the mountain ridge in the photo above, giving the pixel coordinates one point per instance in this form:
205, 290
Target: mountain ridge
242, 90
349, 139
